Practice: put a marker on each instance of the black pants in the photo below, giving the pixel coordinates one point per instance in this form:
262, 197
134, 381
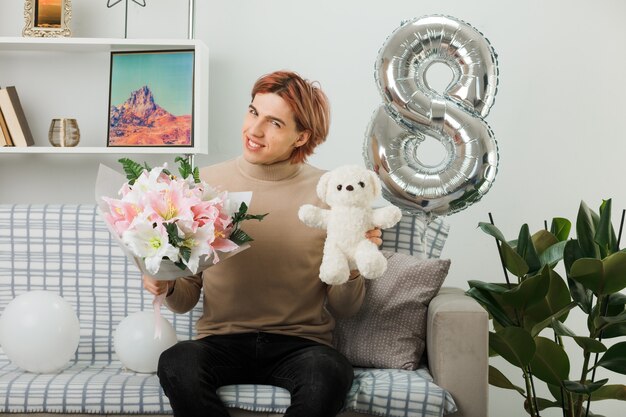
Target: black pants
317, 376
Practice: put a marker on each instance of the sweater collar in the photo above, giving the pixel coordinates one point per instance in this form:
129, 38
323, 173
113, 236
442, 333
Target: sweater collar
273, 172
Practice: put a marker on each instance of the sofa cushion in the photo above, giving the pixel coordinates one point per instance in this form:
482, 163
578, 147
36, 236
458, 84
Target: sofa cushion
105, 387
389, 331
414, 236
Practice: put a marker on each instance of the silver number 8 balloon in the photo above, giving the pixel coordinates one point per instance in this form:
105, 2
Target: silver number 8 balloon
413, 111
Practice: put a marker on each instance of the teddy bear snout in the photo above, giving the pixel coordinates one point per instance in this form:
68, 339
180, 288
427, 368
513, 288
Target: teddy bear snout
349, 188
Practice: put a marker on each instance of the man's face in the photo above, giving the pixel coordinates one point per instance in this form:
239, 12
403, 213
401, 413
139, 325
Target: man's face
269, 131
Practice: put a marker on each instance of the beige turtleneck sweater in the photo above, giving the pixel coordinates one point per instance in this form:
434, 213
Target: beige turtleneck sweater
274, 285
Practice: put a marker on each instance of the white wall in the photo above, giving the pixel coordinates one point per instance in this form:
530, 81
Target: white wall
558, 115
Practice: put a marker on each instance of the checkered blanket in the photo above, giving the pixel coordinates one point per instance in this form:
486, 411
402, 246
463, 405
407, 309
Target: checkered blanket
68, 249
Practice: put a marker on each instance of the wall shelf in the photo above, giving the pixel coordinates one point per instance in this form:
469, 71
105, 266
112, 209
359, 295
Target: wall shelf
72, 74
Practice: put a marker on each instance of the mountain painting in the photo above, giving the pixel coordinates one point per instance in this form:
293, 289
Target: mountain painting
151, 99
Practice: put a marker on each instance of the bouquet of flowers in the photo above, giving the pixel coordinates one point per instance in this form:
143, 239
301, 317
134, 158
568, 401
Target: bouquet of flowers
171, 226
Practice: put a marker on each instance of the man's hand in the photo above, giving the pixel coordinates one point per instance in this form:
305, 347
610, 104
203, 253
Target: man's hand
375, 236
155, 286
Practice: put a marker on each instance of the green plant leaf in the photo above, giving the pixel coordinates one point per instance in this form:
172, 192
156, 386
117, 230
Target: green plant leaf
578, 388
617, 299
610, 392
557, 298
585, 231
586, 343
589, 344
530, 291
614, 330
614, 359
537, 328
497, 379
550, 363
514, 344
614, 272
542, 404
526, 249
590, 273
542, 240
605, 235
513, 262
560, 228
552, 255
492, 230
582, 296
489, 303
561, 330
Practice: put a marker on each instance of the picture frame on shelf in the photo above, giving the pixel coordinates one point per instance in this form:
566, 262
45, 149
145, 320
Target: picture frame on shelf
47, 18
151, 98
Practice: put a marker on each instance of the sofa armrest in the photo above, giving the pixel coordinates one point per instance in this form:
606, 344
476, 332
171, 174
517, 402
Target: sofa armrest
457, 343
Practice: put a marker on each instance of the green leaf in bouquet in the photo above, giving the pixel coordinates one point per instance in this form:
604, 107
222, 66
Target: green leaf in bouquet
614, 359
497, 379
550, 362
132, 169
240, 237
514, 344
185, 169
586, 389
560, 228
172, 234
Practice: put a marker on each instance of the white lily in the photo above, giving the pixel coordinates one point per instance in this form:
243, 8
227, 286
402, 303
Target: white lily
151, 244
200, 245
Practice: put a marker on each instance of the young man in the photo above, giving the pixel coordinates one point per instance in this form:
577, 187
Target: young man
267, 316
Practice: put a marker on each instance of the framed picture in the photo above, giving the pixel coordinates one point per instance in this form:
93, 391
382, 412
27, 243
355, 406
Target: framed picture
47, 18
151, 99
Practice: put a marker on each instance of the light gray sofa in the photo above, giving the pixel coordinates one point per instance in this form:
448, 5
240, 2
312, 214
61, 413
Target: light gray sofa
87, 268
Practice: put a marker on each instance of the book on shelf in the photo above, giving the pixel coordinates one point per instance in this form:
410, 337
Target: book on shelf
14, 117
5, 137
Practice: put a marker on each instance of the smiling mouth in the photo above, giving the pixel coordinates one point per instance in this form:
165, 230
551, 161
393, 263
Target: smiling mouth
253, 145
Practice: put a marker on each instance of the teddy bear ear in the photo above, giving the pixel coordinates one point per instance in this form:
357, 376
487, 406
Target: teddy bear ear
374, 183
322, 185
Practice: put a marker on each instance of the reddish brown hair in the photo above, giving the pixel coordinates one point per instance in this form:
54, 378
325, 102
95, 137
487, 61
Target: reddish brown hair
308, 102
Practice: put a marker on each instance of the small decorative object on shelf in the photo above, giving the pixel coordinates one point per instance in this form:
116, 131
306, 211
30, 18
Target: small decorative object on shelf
64, 132
111, 3
47, 18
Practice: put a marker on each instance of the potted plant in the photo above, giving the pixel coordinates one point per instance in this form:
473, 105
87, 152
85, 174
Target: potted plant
529, 312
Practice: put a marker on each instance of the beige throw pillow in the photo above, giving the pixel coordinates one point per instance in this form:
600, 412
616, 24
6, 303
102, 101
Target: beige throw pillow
389, 331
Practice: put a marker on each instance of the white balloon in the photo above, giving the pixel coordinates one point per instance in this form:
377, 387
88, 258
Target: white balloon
39, 331
136, 345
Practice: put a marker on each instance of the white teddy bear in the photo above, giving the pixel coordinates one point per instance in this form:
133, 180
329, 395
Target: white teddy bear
349, 191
